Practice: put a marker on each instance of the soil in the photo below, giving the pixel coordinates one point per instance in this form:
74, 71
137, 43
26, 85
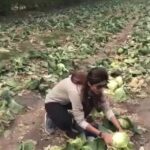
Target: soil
140, 111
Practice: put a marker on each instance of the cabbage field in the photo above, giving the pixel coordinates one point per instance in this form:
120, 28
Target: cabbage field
38, 49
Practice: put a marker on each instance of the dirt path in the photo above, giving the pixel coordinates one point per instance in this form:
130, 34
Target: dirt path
116, 42
25, 122
30, 124
141, 112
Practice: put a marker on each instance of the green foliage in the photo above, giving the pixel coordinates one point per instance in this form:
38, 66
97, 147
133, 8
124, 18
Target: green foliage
120, 94
57, 43
8, 109
131, 63
120, 140
27, 145
83, 144
125, 124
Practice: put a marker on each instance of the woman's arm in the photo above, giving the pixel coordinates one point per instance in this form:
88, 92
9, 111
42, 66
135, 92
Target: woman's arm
116, 123
107, 137
93, 130
78, 113
110, 115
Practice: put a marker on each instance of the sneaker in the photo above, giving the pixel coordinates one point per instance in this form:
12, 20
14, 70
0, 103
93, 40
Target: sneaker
50, 127
72, 133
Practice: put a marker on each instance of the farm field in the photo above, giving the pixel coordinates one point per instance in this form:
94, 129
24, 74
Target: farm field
40, 48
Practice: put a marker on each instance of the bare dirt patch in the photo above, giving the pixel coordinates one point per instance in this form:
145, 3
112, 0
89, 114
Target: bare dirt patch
142, 113
25, 122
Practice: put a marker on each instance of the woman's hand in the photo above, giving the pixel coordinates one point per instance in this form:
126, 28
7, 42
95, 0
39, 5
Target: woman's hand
120, 129
107, 137
116, 123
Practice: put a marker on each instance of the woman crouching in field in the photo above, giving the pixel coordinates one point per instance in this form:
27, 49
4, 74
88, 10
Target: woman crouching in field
80, 93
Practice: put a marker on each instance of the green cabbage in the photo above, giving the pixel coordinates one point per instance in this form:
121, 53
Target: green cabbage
120, 140
119, 80
14, 106
27, 145
112, 85
77, 143
125, 124
120, 94
120, 51
86, 147
33, 84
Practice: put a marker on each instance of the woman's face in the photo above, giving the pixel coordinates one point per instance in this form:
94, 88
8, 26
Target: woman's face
97, 88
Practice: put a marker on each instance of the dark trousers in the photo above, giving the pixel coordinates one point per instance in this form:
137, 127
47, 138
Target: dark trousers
60, 115
62, 118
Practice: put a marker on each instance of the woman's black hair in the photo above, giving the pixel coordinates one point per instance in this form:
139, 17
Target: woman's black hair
97, 75
94, 76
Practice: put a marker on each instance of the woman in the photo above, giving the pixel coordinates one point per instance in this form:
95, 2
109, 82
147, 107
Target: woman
80, 93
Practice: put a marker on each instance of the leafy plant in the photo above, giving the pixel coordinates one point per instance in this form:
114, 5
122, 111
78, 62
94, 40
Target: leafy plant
27, 145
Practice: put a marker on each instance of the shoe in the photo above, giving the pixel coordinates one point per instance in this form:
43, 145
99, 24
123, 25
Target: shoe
50, 127
72, 133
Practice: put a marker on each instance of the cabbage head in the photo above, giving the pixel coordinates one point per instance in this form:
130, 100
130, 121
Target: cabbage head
121, 140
